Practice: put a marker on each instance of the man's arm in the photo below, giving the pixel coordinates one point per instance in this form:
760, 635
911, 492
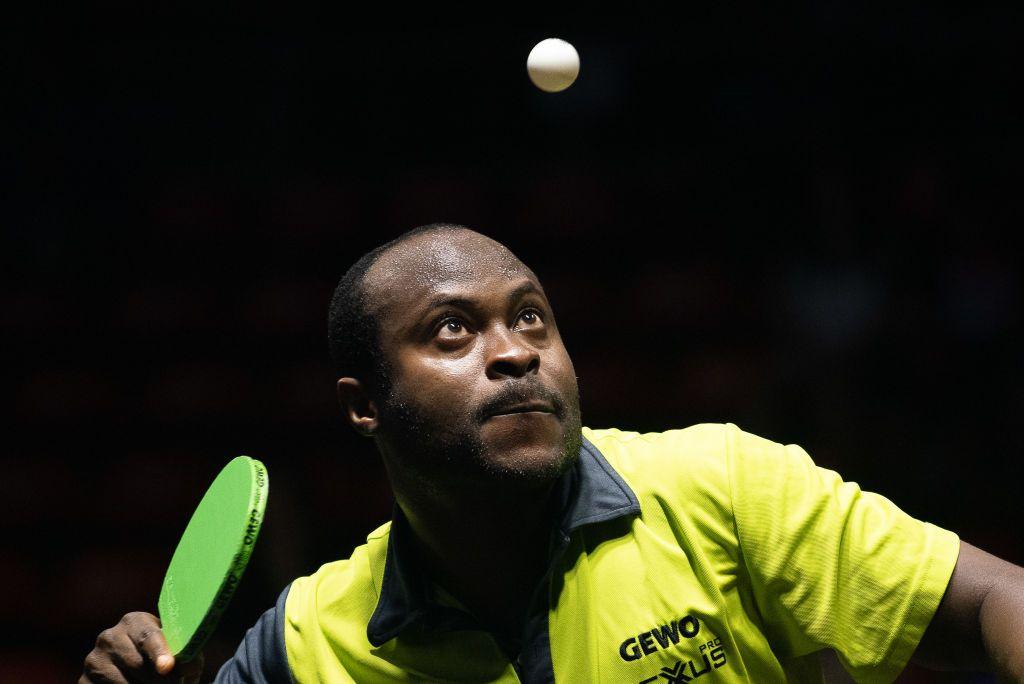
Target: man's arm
980, 622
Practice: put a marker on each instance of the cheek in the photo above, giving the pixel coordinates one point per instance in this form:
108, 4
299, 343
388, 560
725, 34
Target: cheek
563, 368
439, 385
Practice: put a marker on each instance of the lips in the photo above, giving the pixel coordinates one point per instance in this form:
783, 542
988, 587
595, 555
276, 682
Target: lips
523, 407
526, 398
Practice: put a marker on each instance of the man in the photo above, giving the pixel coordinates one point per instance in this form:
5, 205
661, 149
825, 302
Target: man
526, 547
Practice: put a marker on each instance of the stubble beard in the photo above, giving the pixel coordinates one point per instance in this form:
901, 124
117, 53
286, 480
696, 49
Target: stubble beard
451, 451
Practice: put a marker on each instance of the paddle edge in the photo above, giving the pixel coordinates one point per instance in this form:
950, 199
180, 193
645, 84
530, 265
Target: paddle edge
257, 507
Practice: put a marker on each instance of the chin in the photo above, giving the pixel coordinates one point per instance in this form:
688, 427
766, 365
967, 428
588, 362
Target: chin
531, 462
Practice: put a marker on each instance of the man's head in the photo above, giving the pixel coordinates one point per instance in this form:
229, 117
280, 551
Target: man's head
447, 353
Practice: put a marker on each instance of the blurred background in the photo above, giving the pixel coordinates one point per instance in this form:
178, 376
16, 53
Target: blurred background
797, 221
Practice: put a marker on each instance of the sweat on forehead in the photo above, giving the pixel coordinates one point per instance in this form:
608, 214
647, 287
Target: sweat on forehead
445, 255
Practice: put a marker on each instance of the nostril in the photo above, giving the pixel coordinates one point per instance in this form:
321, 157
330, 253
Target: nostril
504, 367
516, 364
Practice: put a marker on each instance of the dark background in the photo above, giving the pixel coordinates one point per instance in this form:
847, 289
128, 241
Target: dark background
797, 221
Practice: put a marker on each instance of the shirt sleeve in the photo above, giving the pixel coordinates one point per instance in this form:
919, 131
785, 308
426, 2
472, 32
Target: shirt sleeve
261, 657
833, 566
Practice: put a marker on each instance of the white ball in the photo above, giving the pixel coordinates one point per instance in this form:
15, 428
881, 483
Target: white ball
553, 65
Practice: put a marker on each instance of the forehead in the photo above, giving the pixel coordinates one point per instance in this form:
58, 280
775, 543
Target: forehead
436, 262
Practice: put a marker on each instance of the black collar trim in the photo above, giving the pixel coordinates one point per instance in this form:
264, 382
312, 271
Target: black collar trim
592, 492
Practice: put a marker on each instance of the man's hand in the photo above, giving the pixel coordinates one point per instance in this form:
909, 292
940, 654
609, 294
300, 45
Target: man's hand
134, 650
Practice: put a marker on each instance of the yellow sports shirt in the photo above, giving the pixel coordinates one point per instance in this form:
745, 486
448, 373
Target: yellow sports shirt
699, 554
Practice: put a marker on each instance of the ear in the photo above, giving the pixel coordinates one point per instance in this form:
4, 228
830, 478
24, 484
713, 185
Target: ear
359, 409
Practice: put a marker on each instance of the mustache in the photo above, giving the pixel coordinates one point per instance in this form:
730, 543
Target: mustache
518, 392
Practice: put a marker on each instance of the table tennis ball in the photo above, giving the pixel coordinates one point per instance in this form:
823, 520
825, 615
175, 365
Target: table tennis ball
553, 65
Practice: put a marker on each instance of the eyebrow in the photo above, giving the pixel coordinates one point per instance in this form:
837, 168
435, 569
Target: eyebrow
526, 288
455, 300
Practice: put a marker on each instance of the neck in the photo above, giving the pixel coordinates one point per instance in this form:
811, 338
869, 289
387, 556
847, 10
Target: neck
478, 522
485, 545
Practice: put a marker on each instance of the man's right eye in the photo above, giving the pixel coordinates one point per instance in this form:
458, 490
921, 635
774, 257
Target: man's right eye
451, 328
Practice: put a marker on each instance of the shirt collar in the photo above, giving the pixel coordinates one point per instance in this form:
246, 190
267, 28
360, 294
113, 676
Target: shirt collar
591, 492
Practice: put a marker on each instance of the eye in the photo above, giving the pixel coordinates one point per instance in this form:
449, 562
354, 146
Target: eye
452, 328
530, 318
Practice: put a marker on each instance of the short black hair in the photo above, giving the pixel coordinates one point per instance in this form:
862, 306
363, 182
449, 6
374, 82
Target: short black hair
353, 333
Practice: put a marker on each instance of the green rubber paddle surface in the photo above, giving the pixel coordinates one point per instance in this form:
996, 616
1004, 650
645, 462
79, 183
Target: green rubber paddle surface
211, 556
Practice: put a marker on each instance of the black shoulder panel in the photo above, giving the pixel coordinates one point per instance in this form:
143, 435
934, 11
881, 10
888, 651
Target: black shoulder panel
261, 658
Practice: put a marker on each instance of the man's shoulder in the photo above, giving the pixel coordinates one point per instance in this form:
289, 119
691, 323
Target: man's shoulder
676, 448
343, 590
704, 444
319, 612
691, 460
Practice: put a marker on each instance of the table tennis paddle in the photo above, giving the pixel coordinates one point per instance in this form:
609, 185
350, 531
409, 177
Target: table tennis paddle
211, 556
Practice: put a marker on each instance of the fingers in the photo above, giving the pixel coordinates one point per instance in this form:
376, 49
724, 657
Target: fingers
120, 650
135, 650
99, 670
144, 632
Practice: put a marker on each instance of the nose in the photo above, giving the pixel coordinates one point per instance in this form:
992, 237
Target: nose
509, 355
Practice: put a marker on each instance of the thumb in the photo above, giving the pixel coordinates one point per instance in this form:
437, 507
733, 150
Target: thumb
145, 632
164, 663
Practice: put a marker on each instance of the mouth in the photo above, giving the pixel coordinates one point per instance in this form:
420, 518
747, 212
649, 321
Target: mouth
524, 408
